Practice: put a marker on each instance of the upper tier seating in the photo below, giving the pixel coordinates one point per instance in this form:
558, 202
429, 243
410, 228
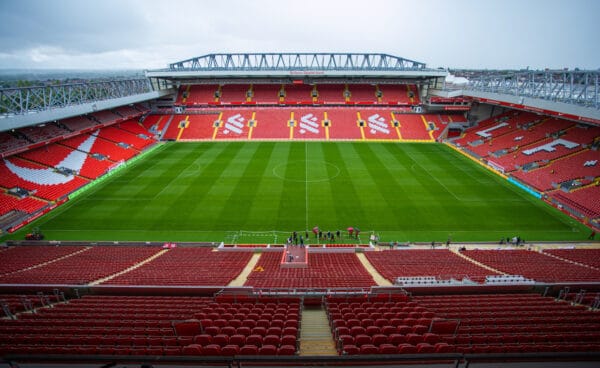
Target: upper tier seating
10, 142
325, 270
43, 132
187, 266
298, 93
533, 265
511, 323
381, 327
89, 265
128, 112
362, 93
106, 116
155, 326
234, 93
394, 93
201, 94
78, 123
441, 263
266, 93
331, 93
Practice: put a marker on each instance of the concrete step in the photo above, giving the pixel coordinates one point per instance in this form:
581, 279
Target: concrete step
315, 334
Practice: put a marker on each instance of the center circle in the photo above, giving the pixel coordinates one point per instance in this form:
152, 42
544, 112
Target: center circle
303, 171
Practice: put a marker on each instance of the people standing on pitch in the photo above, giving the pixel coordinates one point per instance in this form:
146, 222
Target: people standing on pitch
301, 241
338, 234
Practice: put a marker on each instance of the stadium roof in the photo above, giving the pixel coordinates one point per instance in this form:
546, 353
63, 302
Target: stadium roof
296, 65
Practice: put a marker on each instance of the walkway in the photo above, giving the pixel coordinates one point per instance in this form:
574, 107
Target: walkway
315, 334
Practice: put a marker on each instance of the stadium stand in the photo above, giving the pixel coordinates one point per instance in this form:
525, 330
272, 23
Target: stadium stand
326, 270
89, 265
124, 325
234, 124
132, 126
331, 94
198, 94
20, 258
266, 93
10, 141
51, 155
10, 203
180, 266
106, 117
589, 257
344, 123
78, 123
40, 180
298, 94
123, 137
533, 265
440, 263
272, 124
362, 93
414, 127
560, 170
127, 112
43, 133
156, 123
234, 93
394, 94
511, 323
585, 201
111, 150
196, 127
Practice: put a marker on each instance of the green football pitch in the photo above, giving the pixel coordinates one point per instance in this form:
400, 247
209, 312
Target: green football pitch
245, 192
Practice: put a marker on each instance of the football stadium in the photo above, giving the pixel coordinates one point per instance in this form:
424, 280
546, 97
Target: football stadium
301, 209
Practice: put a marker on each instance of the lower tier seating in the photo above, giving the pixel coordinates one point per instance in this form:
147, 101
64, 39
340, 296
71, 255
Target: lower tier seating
325, 270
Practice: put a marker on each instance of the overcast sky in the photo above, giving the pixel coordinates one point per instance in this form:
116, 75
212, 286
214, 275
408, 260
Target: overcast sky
146, 34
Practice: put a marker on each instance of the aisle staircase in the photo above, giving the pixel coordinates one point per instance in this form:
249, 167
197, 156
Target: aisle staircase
315, 334
458, 253
379, 280
243, 276
137, 265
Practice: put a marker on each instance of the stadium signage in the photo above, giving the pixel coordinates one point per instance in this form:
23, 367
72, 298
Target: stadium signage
457, 108
307, 72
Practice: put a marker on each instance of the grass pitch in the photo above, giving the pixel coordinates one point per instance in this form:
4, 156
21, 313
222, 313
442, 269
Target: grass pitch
261, 191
